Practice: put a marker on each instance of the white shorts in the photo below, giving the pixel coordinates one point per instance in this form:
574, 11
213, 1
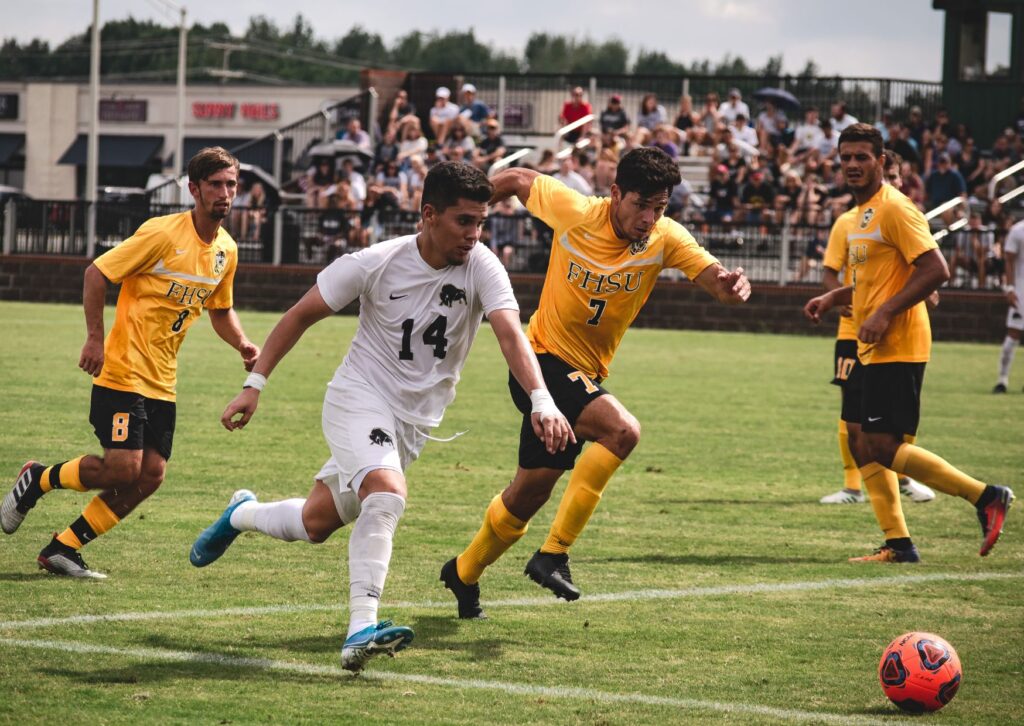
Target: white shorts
1015, 319
363, 435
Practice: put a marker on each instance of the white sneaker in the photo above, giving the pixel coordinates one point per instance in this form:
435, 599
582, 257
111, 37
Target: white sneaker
917, 491
844, 496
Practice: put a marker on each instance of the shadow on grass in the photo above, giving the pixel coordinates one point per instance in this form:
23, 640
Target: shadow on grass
466, 638
705, 560
740, 502
23, 576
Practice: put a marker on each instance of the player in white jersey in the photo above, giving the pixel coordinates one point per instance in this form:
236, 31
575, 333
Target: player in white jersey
1013, 256
421, 301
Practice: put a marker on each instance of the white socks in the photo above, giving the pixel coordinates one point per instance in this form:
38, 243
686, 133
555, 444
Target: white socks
280, 520
369, 554
1006, 359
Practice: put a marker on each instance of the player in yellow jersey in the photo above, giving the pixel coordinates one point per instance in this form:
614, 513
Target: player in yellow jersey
846, 351
170, 270
605, 260
894, 265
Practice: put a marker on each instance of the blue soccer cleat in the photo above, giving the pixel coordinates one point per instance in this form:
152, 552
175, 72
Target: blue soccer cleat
215, 539
374, 640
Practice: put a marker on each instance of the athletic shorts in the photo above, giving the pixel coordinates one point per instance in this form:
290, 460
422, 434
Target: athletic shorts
127, 420
1015, 318
363, 434
889, 395
572, 391
846, 360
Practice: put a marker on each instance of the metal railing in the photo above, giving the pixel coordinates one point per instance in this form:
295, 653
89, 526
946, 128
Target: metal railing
780, 254
286, 152
530, 103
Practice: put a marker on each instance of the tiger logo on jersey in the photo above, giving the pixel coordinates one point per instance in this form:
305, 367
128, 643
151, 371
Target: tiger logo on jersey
451, 294
637, 247
380, 437
218, 262
866, 218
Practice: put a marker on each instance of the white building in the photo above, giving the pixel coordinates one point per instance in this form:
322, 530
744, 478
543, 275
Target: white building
43, 128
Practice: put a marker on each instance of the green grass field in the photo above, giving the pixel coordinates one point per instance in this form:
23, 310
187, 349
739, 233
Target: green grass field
716, 588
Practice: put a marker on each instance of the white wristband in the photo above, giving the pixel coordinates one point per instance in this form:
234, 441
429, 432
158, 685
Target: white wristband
543, 403
255, 380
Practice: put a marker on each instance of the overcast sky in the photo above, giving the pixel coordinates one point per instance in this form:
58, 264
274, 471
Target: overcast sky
869, 38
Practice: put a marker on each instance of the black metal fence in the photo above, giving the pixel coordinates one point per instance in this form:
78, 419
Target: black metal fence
530, 104
770, 253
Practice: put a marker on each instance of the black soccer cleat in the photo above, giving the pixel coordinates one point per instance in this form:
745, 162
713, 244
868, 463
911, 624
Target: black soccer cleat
999, 388
60, 559
468, 596
552, 571
22, 497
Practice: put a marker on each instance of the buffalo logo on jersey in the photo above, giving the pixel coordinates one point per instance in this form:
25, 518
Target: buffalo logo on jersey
218, 262
866, 218
381, 437
451, 294
600, 283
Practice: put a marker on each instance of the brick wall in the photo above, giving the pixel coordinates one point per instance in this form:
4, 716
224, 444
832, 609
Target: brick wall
966, 316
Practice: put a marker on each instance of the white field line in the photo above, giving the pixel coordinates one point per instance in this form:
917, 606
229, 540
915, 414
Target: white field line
515, 689
755, 588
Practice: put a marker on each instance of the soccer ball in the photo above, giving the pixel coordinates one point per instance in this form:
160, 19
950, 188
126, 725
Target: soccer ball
920, 672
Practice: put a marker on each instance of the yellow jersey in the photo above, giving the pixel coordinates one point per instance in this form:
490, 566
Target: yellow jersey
167, 275
889, 233
835, 258
596, 283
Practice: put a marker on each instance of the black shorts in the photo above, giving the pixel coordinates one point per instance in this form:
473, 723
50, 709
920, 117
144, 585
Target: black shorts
126, 420
846, 360
889, 395
572, 391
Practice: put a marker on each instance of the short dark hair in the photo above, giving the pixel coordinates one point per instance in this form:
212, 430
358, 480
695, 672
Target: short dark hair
647, 171
862, 132
892, 158
209, 161
450, 181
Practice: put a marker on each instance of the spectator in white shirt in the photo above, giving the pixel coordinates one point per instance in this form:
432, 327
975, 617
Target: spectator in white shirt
734, 106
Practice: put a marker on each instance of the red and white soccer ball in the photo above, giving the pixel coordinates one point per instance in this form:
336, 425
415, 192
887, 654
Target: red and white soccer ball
920, 672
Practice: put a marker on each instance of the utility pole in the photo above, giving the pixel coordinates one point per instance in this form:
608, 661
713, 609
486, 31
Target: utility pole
93, 147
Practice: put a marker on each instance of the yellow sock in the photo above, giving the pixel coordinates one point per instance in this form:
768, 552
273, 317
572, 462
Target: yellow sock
96, 519
593, 470
851, 474
936, 472
66, 475
499, 531
884, 489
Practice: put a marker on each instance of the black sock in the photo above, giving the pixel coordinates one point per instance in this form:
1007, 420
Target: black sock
899, 543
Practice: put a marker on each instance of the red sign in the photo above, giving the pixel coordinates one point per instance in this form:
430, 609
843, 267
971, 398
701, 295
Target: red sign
213, 110
261, 111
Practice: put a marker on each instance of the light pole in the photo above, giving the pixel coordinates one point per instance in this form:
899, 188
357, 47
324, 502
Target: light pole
93, 147
179, 153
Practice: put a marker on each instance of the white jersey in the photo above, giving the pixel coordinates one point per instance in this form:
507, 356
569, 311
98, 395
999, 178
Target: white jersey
416, 324
1014, 244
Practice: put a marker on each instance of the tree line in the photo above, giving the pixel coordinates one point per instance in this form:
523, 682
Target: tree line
146, 50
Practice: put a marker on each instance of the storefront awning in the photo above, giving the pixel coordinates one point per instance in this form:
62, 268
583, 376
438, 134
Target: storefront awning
10, 144
125, 151
260, 153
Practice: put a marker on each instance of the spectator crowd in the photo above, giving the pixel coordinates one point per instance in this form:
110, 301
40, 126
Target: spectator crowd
769, 165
